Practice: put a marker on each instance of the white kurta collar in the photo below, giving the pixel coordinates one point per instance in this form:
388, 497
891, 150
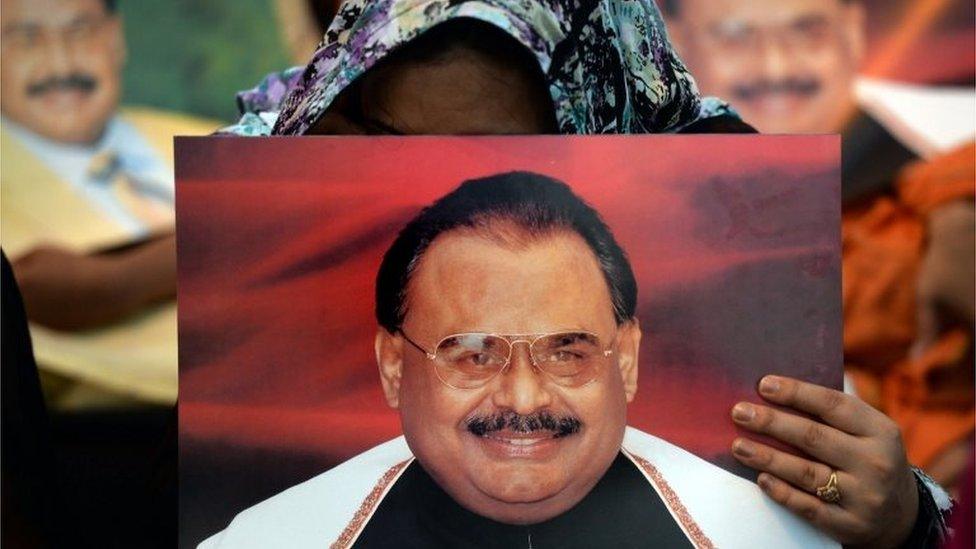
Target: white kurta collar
713, 507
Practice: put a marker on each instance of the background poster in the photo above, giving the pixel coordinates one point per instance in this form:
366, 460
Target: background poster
735, 242
913, 41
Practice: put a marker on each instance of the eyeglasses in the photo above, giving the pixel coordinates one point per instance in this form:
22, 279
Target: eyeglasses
80, 33
471, 360
743, 38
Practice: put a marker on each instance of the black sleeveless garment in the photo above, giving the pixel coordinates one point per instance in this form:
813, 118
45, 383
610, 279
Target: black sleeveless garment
623, 510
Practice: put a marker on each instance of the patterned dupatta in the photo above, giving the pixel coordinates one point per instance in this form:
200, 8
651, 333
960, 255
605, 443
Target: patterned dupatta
609, 64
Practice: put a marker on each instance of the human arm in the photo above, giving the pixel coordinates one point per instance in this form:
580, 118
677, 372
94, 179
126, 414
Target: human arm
67, 290
945, 281
941, 192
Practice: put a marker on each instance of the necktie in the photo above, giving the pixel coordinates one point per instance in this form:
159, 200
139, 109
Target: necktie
138, 197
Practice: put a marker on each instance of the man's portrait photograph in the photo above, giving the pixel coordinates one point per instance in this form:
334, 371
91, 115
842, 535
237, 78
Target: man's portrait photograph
552, 332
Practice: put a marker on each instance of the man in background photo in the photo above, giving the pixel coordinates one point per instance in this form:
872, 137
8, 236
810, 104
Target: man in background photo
87, 220
792, 66
87, 205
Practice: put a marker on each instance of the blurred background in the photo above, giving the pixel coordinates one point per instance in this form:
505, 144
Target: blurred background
92, 92
920, 41
192, 56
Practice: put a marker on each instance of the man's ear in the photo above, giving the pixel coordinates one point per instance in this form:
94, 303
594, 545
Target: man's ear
116, 30
389, 358
855, 30
628, 348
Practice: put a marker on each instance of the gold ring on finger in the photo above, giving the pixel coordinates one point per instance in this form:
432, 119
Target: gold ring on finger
830, 492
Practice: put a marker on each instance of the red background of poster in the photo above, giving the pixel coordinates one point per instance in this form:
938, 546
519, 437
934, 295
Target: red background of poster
734, 241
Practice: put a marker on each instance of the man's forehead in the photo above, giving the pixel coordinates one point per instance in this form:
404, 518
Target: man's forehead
48, 12
714, 12
471, 281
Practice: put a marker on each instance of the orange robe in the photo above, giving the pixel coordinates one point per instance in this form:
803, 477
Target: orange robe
931, 396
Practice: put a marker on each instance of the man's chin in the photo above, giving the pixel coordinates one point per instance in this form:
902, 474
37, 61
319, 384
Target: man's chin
777, 114
524, 499
523, 472
66, 127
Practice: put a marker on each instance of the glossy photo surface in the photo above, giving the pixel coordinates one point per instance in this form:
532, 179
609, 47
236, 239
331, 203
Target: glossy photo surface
734, 241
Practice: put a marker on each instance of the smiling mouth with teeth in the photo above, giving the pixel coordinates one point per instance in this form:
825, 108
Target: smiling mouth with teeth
521, 439
505, 445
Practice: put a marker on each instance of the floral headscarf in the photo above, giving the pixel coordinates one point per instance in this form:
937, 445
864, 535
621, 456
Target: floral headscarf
608, 63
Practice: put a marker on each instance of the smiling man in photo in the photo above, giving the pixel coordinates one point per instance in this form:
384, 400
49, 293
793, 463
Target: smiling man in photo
508, 343
81, 174
87, 194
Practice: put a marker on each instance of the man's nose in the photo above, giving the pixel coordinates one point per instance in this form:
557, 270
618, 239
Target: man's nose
775, 55
58, 54
522, 388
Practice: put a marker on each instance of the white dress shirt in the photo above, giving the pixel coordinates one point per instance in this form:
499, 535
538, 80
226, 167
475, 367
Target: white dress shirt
133, 156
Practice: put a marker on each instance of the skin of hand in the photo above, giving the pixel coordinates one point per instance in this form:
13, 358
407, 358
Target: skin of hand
945, 281
72, 291
879, 497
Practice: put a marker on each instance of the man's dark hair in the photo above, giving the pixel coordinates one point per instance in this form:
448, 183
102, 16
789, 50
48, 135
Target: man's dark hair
534, 204
110, 5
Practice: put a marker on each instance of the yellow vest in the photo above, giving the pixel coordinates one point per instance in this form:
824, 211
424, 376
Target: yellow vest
137, 358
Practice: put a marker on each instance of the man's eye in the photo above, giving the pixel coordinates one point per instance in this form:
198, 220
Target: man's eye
811, 29
564, 356
735, 33
23, 37
477, 359
81, 30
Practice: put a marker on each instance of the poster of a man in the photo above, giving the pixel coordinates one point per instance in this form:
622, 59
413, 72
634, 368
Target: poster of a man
515, 403
87, 209
508, 342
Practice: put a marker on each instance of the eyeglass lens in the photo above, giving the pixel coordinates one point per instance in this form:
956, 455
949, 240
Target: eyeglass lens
470, 360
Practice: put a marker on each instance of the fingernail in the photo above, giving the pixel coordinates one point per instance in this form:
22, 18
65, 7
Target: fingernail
742, 448
743, 412
769, 385
764, 482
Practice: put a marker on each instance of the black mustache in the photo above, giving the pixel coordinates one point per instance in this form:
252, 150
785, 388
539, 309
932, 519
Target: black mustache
560, 426
76, 81
797, 86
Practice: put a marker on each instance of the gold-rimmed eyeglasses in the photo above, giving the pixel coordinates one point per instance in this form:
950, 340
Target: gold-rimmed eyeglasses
471, 360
